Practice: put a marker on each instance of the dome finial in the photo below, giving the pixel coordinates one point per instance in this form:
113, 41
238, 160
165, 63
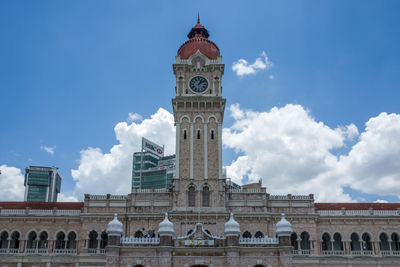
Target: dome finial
198, 17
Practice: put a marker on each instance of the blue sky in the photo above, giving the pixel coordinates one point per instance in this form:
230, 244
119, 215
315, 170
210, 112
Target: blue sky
70, 71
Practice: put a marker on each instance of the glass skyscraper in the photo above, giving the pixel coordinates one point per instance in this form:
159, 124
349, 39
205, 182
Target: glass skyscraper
42, 184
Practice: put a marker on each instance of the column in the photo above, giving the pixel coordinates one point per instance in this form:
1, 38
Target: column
205, 152
177, 147
191, 150
220, 150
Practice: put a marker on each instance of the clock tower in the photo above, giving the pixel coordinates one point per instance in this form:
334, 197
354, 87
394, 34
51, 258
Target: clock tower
198, 112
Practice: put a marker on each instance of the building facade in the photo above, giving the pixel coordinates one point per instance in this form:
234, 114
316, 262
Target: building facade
202, 219
42, 184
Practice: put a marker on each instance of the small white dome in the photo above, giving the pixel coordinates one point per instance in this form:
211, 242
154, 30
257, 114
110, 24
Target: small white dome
283, 227
115, 227
166, 227
232, 227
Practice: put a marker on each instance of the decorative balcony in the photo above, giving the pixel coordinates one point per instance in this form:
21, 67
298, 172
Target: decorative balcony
39, 251
140, 240
64, 251
96, 251
258, 241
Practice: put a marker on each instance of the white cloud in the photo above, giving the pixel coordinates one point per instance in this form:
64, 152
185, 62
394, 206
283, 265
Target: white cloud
271, 77
381, 201
134, 116
49, 150
291, 152
11, 184
242, 67
111, 172
66, 198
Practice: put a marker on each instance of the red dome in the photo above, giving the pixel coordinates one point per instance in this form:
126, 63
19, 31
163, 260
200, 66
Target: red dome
198, 41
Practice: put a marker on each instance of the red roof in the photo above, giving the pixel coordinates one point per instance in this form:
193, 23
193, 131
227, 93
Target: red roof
198, 40
41, 205
357, 206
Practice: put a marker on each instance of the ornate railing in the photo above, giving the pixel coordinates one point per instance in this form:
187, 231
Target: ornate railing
140, 240
301, 252
333, 252
36, 251
358, 212
259, 240
96, 251
64, 251
6, 212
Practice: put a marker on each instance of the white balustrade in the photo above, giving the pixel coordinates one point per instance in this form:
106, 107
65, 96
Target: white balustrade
36, 251
333, 252
358, 213
64, 251
279, 197
259, 240
140, 240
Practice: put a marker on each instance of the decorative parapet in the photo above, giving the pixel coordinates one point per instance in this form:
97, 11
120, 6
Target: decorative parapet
368, 212
291, 197
140, 240
105, 197
248, 190
153, 190
24, 212
259, 241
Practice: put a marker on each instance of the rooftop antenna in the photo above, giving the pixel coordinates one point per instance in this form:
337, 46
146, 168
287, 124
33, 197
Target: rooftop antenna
198, 17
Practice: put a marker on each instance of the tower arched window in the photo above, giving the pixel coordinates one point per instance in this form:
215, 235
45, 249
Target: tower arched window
60, 240
395, 242
14, 240
337, 242
326, 242
258, 234
184, 134
192, 196
246, 234
71, 242
93, 239
367, 244
198, 134
305, 241
212, 134
206, 196
138, 234
355, 242
43, 242
104, 239
383, 242
293, 241
32, 242
4, 240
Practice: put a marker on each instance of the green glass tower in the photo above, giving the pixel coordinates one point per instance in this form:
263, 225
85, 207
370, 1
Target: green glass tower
42, 184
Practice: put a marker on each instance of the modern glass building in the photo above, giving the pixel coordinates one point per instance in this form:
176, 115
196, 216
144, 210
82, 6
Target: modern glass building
42, 184
152, 171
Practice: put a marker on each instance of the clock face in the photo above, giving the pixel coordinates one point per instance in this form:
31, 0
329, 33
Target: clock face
198, 84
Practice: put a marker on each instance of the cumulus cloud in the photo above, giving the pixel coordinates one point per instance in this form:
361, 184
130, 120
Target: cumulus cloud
111, 172
134, 116
381, 201
242, 67
291, 152
66, 198
11, 184
49, 150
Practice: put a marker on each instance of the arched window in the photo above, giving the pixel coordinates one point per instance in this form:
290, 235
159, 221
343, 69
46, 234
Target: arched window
60, 240
212, 134
355, 242
305, 241
337, 242
104, 239
138, 234
206, 196
326, 242
14, 240
293, 241
184, 134
43, 240
192, 196
4, 240
93, 239
31, 240
366, 241
198, 134
395, 242
383, 244
246, 234
258, 234
71, 242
